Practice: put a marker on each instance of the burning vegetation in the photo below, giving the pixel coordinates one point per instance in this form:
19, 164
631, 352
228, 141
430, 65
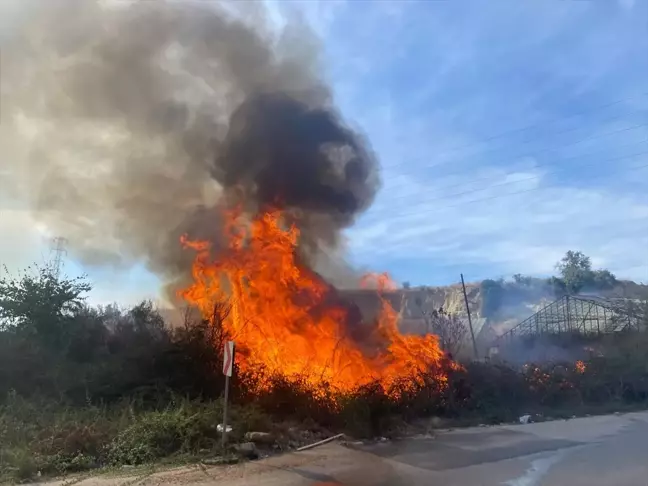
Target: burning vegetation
293, 177
286, 320
198, 120
189, 138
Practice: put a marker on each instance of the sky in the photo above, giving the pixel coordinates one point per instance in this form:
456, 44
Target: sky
508, 133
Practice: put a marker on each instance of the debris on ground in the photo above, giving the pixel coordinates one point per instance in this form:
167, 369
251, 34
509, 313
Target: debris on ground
219, 428
294, 436
321, 442
220, 460
281, 438
260, 437
247, 450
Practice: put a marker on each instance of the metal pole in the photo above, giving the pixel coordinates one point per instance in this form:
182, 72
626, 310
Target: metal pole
472, 333
224, 434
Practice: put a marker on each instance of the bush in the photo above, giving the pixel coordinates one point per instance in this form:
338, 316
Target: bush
53, 439
40, 436
157, 434
290, 399
368, 412
113, 386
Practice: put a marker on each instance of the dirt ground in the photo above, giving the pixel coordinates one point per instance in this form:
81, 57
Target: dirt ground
588, 451
294, 468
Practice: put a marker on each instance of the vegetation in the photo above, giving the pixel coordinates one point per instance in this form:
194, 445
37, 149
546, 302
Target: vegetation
575, 275
492, 292
451, 329
84, 387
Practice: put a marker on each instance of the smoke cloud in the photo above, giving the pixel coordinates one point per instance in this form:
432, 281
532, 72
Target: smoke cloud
125, 125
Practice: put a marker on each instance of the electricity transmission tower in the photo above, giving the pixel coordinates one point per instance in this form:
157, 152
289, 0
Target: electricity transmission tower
58, 249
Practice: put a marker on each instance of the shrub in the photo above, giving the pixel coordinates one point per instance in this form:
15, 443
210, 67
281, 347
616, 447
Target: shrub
103, 385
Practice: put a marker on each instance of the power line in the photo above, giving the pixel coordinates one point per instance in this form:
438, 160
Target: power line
512, 182
511, 194
623, 234
530, 178
545, 123
544, 150
537, 125
523, 192
588, 164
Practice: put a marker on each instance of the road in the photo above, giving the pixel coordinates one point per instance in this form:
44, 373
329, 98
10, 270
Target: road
604, 450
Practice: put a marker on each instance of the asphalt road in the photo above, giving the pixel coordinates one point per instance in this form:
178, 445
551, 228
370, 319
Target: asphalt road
604, 450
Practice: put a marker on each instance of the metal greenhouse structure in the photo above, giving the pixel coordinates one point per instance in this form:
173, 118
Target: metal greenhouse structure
579, 315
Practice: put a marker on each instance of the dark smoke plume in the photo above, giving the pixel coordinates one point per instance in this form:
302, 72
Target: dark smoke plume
127, 124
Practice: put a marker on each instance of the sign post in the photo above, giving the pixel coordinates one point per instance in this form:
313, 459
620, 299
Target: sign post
228, 366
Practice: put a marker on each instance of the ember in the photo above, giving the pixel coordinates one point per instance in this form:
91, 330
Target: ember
580, 367
284, 316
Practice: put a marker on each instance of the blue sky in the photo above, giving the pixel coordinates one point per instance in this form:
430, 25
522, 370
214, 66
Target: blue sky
442, 88
509, 132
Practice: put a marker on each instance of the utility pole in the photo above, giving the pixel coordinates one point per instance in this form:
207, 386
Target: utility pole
472, 332
58, 248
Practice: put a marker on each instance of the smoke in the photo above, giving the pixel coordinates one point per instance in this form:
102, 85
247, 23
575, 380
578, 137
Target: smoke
127, 124
282, 152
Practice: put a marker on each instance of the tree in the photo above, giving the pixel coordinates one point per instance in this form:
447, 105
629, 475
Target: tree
522, 280
558, 286
407, 285
576, 274
492, 292
450, 329
40, 304
603, 279
575, 269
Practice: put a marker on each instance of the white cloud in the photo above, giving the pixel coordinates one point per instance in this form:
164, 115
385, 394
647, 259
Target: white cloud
524, 233
422, 78
438, 78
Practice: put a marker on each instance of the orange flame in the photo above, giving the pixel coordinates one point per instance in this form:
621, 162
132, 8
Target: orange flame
285, 319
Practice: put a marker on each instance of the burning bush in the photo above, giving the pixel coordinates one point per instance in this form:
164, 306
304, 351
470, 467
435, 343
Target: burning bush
286, 321
117, 401
191, 119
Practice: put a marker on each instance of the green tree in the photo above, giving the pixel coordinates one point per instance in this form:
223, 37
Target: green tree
39, 304
603, 279
522, 280
576, 274
575, 269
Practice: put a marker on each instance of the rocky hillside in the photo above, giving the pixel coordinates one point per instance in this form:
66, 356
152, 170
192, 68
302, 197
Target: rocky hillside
498, 305
495, 305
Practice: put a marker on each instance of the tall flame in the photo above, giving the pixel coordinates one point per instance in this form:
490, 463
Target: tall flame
285, 318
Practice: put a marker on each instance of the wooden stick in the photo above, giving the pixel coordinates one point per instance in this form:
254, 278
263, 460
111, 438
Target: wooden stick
321, 442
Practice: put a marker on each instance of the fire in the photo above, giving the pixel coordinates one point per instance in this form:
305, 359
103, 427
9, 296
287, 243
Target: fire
286, 320
580, 367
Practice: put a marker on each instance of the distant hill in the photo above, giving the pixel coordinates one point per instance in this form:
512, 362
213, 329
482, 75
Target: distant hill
498, 305
495, 305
